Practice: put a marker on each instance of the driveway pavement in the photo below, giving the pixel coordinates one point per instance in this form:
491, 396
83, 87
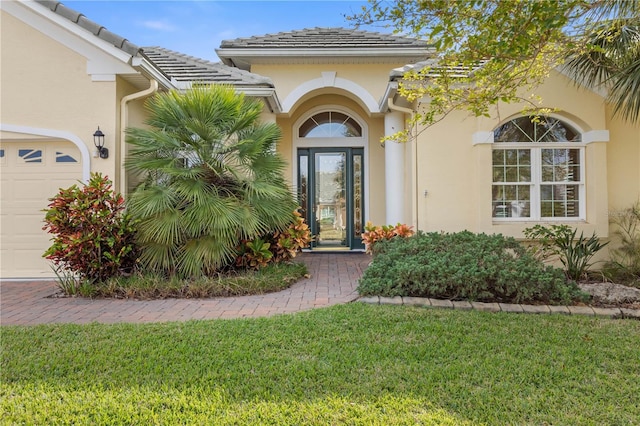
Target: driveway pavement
334, 278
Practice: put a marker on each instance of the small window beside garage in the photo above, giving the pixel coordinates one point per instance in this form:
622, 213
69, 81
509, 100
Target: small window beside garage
61, 157
30, 155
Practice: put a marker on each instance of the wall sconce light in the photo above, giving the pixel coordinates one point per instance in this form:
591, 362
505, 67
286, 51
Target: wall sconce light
98, 141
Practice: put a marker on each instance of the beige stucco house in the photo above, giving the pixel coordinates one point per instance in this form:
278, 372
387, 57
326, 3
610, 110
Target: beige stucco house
333, 92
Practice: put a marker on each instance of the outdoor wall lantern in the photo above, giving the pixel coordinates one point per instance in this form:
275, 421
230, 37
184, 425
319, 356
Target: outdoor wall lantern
98, 141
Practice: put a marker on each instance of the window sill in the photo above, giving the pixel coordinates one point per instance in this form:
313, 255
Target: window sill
525, 221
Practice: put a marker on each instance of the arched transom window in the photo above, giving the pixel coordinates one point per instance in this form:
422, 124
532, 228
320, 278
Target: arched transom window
538, 170
330, 124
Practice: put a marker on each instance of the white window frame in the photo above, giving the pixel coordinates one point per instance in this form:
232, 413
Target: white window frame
536, 182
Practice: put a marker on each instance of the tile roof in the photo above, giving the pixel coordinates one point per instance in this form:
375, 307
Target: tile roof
324, 38
91, 26
431, 68
185, 68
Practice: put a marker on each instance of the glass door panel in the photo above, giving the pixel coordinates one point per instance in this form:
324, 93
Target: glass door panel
303, 183
331, 196
358, 201
330, 203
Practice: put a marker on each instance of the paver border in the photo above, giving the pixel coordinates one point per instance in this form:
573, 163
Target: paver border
463, 305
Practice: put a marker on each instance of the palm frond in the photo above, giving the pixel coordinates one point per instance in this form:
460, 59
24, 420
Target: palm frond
609, 59
625, 93
147, 201
164, 228
212, 178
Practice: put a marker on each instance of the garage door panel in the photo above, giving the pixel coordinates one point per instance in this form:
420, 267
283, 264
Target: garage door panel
6, 189
27, 225
31, 260
18, 211
29, 189
55, 185
31, 174
26, 263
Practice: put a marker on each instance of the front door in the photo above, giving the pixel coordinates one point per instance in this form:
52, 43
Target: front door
330, 190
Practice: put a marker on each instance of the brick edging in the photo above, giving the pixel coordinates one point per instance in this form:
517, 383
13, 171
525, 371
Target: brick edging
503, 307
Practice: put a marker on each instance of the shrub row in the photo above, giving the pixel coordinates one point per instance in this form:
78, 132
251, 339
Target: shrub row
464, 265
94, 238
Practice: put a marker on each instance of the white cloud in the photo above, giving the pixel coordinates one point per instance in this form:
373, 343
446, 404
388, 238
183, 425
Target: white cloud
158, 25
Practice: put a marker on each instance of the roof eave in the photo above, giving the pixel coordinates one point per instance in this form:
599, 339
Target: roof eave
389, 93
268, 93
151, 70
265, 92
227, 54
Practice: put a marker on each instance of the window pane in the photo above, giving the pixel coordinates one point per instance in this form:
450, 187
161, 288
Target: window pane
524, 156
498, 174
511, 200
553, 130
511, 156
357, 197
536, 129
330, 124
559, 200
498, 165
513, 131
511, 165
560, 165
303, 179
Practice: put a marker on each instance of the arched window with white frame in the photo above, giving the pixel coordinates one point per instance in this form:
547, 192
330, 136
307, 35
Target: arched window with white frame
538, 170
330, 124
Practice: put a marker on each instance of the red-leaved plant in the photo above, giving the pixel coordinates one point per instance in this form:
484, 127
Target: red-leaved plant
93, 237
373, 233
278, 247
286, 244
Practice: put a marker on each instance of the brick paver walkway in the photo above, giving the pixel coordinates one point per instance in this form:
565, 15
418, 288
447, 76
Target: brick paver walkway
334, 278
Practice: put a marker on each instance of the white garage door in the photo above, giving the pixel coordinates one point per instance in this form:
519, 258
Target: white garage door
30, 174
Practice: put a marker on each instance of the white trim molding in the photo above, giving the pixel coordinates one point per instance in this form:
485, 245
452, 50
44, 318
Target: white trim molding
482, 137
595, 136
57, 134
329, 79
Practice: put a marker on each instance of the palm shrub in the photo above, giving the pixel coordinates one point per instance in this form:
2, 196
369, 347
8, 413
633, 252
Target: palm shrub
211, 177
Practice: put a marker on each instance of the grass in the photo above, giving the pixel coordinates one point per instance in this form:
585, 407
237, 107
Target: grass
274, 277
349, 364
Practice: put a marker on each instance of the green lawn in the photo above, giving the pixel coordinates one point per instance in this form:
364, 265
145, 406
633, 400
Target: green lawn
350, 364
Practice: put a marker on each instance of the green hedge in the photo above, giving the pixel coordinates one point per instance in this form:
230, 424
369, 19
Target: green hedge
464, 266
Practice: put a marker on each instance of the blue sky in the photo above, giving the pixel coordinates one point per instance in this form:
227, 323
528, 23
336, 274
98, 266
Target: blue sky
197, 27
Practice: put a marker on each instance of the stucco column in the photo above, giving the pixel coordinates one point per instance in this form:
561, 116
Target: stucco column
394, 169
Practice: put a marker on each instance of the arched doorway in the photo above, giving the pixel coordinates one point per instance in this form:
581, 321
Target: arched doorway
330, 152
